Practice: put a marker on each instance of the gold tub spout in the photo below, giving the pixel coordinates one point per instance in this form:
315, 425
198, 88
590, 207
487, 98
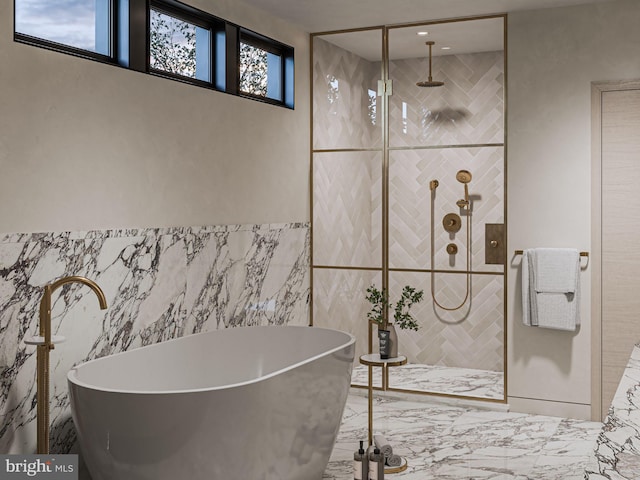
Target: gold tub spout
44, 346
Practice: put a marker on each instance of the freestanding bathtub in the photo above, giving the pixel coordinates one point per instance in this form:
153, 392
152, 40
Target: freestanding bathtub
252, 403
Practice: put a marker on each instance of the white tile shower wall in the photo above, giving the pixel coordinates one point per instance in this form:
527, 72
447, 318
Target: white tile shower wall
344, 97
468, 109
410, 172
471, 337
347, 209
339, 302
159, 284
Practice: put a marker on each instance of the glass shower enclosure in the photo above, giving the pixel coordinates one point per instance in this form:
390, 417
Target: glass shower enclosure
408, 188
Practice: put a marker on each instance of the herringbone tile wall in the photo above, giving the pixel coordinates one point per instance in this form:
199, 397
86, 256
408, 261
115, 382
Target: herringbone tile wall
339, 302
471, 337
347, 197
345, 105
347, 202
468, 109
410, 205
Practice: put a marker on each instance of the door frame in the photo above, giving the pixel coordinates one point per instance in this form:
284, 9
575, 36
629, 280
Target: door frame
597, 91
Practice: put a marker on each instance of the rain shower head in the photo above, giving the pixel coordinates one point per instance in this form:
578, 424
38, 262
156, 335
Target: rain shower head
430, 82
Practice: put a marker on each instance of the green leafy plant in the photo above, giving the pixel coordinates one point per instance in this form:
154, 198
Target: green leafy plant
380, 306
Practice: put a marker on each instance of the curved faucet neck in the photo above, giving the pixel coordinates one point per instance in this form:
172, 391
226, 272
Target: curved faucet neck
45, 303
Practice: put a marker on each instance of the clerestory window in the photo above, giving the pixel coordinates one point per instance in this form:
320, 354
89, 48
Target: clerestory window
82, 26
163, 37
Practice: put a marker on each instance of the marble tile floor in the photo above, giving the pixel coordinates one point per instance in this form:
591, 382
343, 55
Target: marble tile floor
437, 379
449, 442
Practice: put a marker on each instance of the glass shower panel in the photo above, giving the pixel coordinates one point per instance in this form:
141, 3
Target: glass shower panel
346, 106
468, 56
339, 302
347, 209
446, 187
457, 352
411, 201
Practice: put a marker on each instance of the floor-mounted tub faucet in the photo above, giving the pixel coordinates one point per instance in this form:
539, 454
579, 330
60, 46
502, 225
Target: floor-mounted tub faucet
45, 344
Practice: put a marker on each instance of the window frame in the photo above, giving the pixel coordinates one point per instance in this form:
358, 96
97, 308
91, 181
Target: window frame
71, 50
274, 47
195, 17
129, 47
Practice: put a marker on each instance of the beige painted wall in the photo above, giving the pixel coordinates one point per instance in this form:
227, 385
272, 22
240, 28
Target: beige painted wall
554, 55
87, 146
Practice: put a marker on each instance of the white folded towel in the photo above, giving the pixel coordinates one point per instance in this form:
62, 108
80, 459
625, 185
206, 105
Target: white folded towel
394, 460
556, 270
382, 443
551, 288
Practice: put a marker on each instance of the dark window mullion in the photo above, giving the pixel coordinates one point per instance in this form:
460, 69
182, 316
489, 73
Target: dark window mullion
260, 42
283, 77
138, 35
233, 58
180, 13
60, 47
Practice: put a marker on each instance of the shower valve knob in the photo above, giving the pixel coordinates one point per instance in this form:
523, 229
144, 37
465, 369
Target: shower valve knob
452, 222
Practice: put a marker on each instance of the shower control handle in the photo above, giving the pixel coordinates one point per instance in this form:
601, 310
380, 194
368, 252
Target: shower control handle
452, 222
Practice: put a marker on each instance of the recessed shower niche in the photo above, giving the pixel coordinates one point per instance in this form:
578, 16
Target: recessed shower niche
408, 160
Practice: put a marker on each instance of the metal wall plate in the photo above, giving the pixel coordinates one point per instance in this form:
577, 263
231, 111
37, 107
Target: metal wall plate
494, 243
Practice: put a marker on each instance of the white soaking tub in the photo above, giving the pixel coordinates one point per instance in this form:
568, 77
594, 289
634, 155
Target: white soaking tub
252, 403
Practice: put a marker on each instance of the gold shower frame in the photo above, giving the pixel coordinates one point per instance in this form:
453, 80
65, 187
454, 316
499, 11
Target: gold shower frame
385, 149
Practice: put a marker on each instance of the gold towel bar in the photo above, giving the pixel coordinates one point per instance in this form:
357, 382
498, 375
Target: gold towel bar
582, 254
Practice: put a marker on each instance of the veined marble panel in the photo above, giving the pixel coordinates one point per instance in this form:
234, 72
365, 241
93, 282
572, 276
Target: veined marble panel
159, 284
469, 382
454, 443
617, 450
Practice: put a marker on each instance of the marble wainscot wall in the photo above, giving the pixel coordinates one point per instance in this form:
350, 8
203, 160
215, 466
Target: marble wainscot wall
159, 284
617, 451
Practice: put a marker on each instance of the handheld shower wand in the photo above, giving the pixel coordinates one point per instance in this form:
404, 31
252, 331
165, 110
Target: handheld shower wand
464, 177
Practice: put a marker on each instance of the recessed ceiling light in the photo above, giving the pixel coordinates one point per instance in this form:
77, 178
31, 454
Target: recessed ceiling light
422, 34
446, 48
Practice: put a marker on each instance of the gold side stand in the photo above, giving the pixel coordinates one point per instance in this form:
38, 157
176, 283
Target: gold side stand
373, 360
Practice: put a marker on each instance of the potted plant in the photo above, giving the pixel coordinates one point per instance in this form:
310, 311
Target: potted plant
402, 317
